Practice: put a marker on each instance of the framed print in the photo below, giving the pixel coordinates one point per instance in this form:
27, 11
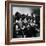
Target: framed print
24, 22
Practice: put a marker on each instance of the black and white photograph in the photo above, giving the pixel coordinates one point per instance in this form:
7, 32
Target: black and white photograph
25, 22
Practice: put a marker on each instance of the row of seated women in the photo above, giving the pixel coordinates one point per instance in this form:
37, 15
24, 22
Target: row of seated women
25, 26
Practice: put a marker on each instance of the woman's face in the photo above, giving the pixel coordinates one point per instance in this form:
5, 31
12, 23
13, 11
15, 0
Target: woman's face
20, 22
25, 21
34, 15
28, 20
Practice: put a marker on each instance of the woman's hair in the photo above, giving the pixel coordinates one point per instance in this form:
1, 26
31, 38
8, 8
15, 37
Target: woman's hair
23, 16
17, 15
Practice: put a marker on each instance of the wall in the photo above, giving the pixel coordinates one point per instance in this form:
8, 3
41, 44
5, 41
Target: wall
2, 25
